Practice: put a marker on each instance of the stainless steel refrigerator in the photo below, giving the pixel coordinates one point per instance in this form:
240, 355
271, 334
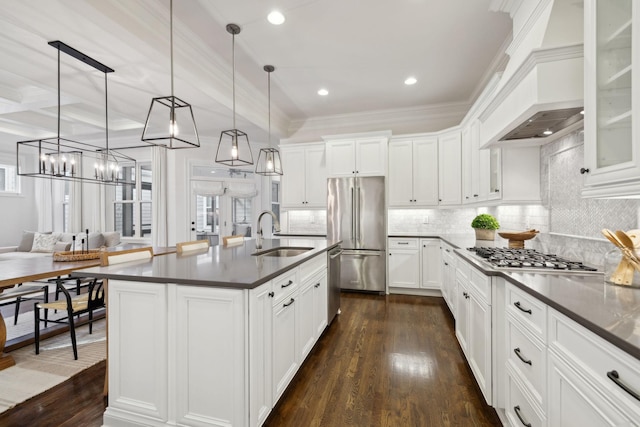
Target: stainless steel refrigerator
356, 215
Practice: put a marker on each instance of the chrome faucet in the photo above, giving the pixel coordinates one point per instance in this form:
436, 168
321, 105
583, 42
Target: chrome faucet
276, 225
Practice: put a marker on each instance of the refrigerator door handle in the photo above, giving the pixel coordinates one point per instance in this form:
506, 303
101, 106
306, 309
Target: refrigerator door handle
335, 254
353, 214
362, 252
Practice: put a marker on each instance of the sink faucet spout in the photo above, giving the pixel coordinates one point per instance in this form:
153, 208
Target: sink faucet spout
276, 225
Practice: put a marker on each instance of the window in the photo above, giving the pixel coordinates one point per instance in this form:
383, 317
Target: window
132, 205
208, 214
9, 182
66, 207
241, 216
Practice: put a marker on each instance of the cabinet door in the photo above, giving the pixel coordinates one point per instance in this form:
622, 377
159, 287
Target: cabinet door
474, 142
260, 365
431, 275
285, 360
611, 123
315, 177
404, 268
341, 158
320, 301
425, 172
462, 315
305, 326
479, 342
293, 181
450, 169
467, 166
371, 157
401, 173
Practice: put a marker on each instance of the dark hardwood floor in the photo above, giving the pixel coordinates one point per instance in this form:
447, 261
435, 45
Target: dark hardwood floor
385, 361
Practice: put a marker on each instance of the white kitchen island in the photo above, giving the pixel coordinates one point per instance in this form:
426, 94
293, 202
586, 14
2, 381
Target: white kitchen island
211, 338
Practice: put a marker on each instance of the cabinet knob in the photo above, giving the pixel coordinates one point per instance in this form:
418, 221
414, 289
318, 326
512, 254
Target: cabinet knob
193, 229
446, 263
584, 170
475, 195
439, 200
317, 285
271, 294
497, 190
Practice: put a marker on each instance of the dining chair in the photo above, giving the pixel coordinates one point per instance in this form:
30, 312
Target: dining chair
126, 255
76, 306
193, 245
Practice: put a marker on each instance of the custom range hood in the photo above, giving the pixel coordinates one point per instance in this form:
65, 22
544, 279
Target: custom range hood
541, 92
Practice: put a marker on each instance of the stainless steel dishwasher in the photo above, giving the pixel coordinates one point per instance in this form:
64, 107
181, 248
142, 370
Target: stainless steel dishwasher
333, 285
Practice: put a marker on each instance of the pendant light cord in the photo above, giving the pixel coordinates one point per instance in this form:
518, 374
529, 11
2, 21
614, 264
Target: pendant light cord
171, 44
233, 75
106, 114
58, 101
269, 99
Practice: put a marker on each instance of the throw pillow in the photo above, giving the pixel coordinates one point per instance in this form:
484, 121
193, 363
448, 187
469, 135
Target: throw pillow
61, 246
111, 238
27, 241
44, 242
96, 240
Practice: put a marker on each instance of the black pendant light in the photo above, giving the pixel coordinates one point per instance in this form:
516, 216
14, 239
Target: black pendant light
170, 120
233, 147
269, 163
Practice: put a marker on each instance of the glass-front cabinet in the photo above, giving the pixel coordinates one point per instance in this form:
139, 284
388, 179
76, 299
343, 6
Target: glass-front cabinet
612, 144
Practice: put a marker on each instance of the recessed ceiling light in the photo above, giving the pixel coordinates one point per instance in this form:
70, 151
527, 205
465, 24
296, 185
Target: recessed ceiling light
323, 92
275, 17
410, 81
548, 132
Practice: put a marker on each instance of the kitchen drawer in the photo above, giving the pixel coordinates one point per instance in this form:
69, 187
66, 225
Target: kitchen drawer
284, 285
597, 359
520, 410
527, 355
313, 266
528, 310
481, 283
403, 243
463, 269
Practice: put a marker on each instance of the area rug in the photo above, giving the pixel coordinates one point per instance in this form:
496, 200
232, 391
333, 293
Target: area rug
34, 374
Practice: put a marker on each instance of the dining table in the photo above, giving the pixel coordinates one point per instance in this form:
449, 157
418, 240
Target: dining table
16, 271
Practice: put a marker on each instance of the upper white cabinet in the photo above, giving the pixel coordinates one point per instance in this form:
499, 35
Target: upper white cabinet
360, 156
413, 172
304, 182
450, 168
611, 146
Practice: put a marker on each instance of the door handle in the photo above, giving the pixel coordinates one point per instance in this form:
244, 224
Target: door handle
353, 214
334, 255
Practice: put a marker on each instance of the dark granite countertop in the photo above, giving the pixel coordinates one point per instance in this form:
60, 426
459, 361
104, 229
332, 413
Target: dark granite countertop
229, 267
610, 311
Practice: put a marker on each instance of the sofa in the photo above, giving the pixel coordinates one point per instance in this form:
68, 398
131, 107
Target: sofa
37, 244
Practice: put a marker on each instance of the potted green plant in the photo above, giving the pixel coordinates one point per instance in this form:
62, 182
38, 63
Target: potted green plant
485, 226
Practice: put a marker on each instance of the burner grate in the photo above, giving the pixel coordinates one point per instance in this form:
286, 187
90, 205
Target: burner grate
528, 259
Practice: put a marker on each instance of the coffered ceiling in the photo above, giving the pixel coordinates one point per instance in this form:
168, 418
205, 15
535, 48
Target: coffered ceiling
360, 51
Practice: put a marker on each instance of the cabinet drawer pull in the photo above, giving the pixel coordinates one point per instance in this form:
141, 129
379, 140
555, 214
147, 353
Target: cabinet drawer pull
526, 310
613, 376
446, 263
447, 250
291, 301
403, 243
271, 294
317, 285
517, 352
466, 295
517, 411
287, 285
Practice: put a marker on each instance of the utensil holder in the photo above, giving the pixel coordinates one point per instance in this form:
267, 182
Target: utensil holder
618, 270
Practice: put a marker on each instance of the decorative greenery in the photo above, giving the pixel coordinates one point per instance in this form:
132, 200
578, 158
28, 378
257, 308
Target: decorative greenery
486, 222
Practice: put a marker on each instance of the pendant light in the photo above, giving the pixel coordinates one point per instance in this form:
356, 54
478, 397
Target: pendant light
269, 163
233, 147
66, 159
170, 120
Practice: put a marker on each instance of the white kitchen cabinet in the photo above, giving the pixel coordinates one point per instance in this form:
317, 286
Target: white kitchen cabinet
312, 313
304, 183
611, 142
285, 351
475, 170
357, 157
320, 306
431, 264
413, 172
473, 324
450, 169
449, 287
404, 263
260, 363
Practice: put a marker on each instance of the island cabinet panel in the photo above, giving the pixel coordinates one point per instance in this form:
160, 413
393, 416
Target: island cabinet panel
210, 350
285, 360
138, 351
260, 362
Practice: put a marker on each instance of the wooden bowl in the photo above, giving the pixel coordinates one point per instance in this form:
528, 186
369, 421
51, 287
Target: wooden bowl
517, 238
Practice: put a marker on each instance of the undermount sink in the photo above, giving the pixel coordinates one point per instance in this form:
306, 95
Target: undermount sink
283, 251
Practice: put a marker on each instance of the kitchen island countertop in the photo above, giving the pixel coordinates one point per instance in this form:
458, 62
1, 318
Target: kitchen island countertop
232, 267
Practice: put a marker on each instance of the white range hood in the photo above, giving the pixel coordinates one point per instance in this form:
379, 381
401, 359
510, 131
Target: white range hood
541, 92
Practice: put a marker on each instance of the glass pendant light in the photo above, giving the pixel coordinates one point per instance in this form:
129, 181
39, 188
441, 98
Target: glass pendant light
269, 163
179, 131
233, 147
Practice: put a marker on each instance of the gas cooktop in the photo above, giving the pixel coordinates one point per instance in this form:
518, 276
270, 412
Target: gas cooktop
529, 260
